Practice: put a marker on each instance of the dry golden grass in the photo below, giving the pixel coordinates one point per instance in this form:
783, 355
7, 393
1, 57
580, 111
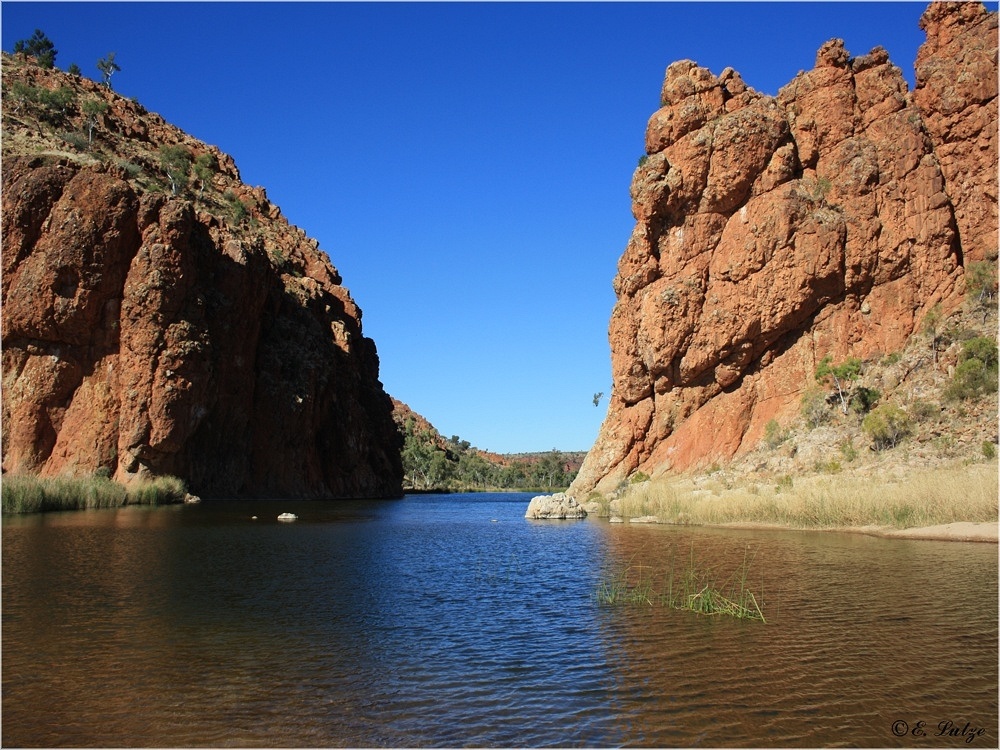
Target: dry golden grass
924, 498
29, 493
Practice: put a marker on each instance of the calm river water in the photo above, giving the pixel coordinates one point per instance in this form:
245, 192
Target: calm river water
451, 620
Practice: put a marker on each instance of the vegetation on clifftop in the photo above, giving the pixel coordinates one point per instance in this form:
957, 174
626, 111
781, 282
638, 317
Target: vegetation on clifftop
87, 123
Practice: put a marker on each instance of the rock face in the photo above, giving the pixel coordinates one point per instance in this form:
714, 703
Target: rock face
773, 231
554, 507
196, 334
956, 74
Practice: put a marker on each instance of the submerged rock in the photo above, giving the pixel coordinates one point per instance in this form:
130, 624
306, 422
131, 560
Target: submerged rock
557, 506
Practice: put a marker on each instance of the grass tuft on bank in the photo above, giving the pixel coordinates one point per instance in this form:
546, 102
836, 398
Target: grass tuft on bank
922, 498
27, 493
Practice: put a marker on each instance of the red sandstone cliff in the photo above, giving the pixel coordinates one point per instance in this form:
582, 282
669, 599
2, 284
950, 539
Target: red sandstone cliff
196, 334
773, 231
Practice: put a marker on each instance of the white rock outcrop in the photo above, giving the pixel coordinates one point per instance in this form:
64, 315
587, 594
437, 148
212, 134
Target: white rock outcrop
557, 506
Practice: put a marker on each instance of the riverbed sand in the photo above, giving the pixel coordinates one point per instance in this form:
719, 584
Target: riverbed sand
960, 531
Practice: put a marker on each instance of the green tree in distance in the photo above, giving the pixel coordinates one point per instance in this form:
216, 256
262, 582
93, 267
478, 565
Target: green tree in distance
933, 326
176, 161
814, 410
39, 47
840, 374
440, 469
108, 68
550, 470
54, 104
976, 373
432, 462
204, 168
886, 425
981, 286
982, 348
93, 110
863, 399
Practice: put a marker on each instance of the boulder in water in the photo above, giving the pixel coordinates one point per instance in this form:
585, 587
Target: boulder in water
557, 506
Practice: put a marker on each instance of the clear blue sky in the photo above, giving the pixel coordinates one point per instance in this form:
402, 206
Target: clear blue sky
465, 166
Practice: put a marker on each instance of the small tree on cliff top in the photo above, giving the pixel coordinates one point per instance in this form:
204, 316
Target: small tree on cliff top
108, 68
39, 47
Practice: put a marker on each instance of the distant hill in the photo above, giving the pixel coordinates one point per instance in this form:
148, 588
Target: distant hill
433, 462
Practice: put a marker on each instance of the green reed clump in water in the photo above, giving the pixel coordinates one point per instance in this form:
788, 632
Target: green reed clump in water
27, 493
692, 589
619, 588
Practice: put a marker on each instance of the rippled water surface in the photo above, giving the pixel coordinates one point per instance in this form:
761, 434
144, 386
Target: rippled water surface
453, 621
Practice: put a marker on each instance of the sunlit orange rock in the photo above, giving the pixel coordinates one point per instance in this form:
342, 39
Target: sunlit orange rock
773, 231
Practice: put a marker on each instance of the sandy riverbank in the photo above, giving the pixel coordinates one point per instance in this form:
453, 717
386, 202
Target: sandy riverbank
958, 531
